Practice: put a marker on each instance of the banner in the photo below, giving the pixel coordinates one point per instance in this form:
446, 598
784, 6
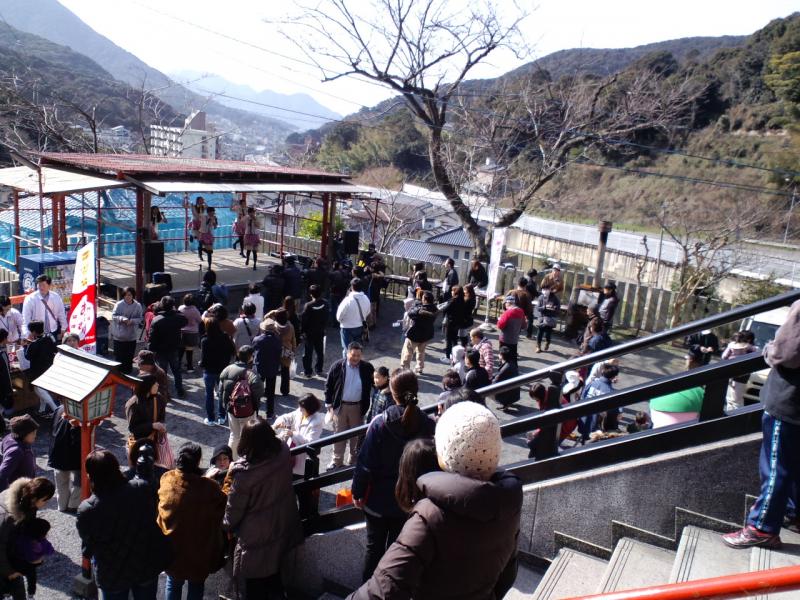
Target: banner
84, 299
498, 242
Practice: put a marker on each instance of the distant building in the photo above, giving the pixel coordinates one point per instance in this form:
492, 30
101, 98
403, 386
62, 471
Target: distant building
195, 139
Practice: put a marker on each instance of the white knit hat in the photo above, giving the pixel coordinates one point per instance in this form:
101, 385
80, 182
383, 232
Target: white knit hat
468, 440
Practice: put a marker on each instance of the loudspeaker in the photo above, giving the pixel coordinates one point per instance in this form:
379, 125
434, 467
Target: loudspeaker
153, 257
153, 292
165, 278
350, 242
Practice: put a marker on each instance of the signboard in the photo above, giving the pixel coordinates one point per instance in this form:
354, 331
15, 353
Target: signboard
84, 299
498, 242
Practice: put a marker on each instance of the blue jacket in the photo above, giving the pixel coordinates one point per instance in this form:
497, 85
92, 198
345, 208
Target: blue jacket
378, 463
18, 461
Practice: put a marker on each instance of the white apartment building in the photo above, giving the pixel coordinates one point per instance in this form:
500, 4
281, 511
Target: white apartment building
195, 139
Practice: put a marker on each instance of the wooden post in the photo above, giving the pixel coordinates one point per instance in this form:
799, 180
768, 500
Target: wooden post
55, 223
326, 225
283, 224
16, 230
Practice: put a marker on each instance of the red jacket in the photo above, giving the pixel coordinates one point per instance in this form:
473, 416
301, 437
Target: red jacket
511, 322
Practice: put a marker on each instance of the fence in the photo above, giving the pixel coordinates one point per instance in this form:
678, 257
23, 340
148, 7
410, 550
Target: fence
640, 307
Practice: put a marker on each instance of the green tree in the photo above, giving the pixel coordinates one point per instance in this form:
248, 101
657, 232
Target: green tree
783, 76
754, 290
311, 226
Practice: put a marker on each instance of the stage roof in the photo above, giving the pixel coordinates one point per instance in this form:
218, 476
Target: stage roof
141, 166
55, 181
192, 186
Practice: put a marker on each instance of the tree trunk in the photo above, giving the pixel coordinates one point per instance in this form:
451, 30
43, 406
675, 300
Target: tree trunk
438, 166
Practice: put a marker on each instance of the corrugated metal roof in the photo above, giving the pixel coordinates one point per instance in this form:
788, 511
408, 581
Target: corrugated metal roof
54, 181
167, 187
144, 164
453, 237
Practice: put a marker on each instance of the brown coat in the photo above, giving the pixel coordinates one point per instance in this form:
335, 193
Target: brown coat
190, 511
262, 514
287, 335
460, 542
555, 281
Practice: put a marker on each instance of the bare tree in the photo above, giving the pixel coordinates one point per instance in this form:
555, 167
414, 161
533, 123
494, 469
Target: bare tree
424, 50
394, 219
709, 247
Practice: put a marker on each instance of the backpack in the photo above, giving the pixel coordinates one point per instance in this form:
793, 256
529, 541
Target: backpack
240, 403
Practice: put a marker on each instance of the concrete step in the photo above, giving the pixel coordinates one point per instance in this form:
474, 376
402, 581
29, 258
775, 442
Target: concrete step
702, 553
788, 555
570, 574
525, 584
635, 564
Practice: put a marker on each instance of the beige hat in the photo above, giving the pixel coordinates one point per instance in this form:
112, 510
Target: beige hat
468, 440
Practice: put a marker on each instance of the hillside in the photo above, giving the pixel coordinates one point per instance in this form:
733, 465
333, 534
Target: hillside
54, 22
44, 87
744, 107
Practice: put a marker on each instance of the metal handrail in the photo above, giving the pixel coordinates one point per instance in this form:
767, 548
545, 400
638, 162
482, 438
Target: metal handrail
645, 391
667, 335
738, 585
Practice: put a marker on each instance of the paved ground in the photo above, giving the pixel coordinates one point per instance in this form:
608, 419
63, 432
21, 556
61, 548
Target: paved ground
184, 422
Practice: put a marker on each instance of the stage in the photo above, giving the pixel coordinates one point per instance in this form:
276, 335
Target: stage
186, 269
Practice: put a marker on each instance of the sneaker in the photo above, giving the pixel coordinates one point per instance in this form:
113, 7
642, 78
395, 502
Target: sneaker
222, 421
209, 422
444, 359
308, 376
750, 536
321, 374
333, 466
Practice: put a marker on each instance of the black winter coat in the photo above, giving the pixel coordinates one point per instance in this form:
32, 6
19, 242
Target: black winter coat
476, 378
314, 319
65, 444
507, 371
267, 354
216, 352
375, 475
334, 385
165, 332
456, 312
292, 282
422, 323
315, 276
40, 353
272, 288
119, 530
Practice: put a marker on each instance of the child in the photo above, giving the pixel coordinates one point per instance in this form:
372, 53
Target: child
741, 344
71, 339
29, 549
40, 353
457, 355
419, 457
381, 396
221, 461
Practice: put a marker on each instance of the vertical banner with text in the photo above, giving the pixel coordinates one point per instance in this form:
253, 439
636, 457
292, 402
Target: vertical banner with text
84, 299
498, 242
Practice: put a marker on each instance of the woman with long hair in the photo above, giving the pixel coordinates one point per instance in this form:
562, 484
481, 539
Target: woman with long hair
376, 471
470, 304
261, 512
239, 224
146, 412
190, 511
291, 312
216, 352
251, 237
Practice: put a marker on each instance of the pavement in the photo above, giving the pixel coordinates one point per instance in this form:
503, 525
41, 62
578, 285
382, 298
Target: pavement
185, 423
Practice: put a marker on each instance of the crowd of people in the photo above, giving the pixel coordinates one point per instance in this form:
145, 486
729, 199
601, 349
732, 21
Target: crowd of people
441, 520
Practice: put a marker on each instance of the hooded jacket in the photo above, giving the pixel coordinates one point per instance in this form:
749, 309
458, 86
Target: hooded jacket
262, 514
460, 542
10, 514
314, 319
165, 332
375, 475
781, 391
190, 510
216, 352
510, 323
422, 318
18, 461
508, 370
118, 529
286, 334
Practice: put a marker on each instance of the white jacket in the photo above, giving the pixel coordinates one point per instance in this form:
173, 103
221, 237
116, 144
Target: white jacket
347, 314
33, 309
300, 433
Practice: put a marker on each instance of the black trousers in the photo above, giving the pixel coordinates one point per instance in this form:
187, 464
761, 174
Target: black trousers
284, 380
313, 344
268, 588
544, 332
123, 352
269, 393
513, 357
381, 533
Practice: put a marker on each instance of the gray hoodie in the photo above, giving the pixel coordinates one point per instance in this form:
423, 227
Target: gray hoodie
122, 311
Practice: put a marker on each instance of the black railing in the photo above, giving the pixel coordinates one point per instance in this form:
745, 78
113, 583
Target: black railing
714, 377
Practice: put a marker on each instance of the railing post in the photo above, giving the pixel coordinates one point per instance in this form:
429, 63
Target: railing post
714, 400
547, 439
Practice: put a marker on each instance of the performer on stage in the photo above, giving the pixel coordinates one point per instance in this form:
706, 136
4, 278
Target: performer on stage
156, 217
198, 212
208, 222
251, 237
240, 224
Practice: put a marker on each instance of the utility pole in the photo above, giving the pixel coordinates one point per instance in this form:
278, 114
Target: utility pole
605, 228
789, 217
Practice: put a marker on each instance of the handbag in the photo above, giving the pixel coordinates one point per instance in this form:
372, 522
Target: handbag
364, 327
166, 458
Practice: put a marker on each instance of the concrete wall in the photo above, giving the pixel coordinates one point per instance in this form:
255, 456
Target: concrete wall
711, 479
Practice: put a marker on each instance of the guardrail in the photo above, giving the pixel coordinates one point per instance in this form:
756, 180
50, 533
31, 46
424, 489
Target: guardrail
739, 585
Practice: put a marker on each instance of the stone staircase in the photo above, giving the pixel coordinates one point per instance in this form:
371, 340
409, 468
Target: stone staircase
640, 559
